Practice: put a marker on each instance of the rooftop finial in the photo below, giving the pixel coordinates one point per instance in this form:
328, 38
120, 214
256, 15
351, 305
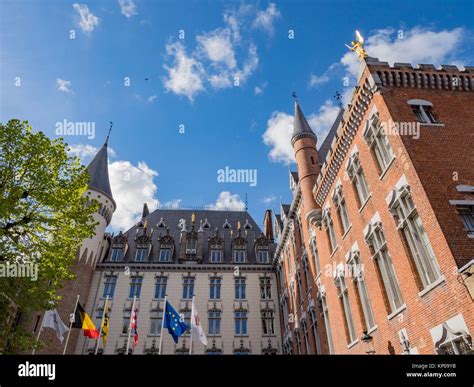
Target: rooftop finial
108, 134
295, 97
358, 46
246, 203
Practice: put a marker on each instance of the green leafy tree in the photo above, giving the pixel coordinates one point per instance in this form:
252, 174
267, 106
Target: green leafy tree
44, 217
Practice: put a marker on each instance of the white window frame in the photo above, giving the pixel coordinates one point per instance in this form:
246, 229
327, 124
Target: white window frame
378, 143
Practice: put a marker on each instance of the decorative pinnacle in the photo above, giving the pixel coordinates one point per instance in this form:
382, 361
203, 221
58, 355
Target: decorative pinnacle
295, 97
193, 217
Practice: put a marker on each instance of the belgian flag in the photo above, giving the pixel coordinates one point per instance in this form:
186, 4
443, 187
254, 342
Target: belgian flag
84, 322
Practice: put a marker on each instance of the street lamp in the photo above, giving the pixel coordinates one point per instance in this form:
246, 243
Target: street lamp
369, 345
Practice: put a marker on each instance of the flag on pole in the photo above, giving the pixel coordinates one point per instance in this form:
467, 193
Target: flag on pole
52, 320
134, 326
196, 325
84, 322
105, 322
172, 321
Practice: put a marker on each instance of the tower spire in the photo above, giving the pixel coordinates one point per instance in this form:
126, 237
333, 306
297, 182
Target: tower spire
99, 170
301, 127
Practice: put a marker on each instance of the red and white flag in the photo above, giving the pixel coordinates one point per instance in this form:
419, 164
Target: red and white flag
196, 325
134, 327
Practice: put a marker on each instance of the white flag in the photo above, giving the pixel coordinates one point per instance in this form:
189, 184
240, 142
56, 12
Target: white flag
52, 320
196, 325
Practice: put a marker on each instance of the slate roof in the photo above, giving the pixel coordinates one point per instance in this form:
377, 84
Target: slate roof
215, 218
301, 127
99, 172
326, 145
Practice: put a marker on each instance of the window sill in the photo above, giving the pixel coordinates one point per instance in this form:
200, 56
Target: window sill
396, 312
373, 329
384, 172
347, 231
439, 124
353, 344
432, 286
365, 203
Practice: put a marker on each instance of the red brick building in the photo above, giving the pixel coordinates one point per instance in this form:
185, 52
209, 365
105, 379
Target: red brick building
376, 250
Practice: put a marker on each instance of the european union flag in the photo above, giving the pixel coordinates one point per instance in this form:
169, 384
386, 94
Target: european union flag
172, 322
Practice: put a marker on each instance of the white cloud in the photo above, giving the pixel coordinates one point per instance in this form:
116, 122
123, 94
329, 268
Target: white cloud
88, 21
269, 199
420, 45
152, 98
175, 203
221, 58
280, 130
87, 152
278, 137
131, 187
227, 201
186, 77
217, 46
316, 80
322, 121
266, 18
128, 8
63, 85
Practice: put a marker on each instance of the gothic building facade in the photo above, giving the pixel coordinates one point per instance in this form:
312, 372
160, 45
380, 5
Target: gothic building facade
375, 252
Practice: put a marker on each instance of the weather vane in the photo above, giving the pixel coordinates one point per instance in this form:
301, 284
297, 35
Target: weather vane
294, 95
358, 46
338, 97
110, 129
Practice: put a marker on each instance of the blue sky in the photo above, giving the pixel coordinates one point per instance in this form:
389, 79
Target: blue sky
47, 77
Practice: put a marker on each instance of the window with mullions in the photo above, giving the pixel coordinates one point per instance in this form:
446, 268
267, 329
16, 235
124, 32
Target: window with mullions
327, 325
341, 208
299, 286
267, 322
240, 287
135, 287
314, 329
165, 254
265, 288
423, 111
126, 321
160, 287
346, 307
214, 317
240, 322
467, 216
378, 142
216, 254
109, 286
239, 254
314, 252
357, 176
188, 288
376, 241
141, 254
329, 225
117, 254
362, 293
156, 318
191, 246
262, 255
404, 211
304, 330
215, 288
306, 275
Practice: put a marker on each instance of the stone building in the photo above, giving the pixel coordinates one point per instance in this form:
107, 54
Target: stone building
375, 252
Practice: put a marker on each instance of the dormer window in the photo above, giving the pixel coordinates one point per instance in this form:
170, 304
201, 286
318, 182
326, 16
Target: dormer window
247, 225
216, 254
191, 246
141, 254
226, 225
262, 255
161, 223
423, 111
206, 225
117, 254
239, 254
165, 253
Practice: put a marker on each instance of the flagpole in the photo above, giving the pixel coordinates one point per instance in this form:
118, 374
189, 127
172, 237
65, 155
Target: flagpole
38, 337
160, 349
191, 335
130, 324
101, 324
71, 320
